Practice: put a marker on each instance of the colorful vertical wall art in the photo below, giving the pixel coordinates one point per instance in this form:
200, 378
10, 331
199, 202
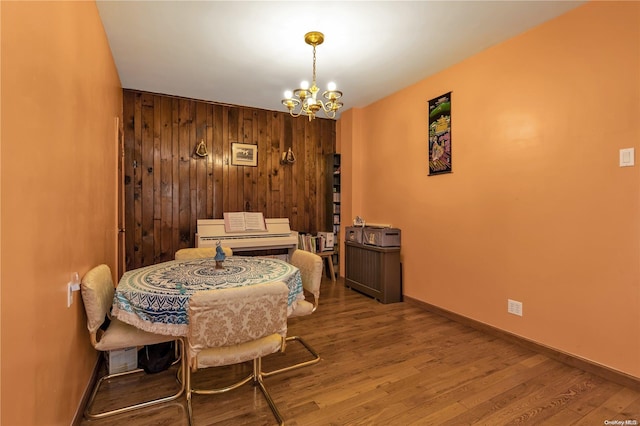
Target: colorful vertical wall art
440, 134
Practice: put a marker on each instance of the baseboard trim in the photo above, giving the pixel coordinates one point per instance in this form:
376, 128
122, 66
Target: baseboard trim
79, 416
566, 358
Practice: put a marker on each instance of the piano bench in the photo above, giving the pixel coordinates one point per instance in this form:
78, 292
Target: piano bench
328, 256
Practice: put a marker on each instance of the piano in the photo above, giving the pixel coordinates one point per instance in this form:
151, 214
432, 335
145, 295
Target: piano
277, 236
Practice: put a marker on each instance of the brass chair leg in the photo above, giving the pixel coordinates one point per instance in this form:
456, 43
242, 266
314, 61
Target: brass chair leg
224, 389
316, 358
255, 376
257, 380
89, 415
186, 376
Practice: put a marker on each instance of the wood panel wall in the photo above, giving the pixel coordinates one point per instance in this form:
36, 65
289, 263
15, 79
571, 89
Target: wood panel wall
168, 187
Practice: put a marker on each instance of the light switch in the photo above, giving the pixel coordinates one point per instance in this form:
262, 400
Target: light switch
627, 157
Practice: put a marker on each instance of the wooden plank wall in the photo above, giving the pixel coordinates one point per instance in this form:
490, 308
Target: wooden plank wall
168, 187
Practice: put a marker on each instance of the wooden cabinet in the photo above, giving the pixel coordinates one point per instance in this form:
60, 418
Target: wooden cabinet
374, 271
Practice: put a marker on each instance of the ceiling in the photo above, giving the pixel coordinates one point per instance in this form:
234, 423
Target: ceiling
248, 52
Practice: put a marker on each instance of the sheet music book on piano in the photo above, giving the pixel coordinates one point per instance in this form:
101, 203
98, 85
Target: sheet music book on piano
244, 222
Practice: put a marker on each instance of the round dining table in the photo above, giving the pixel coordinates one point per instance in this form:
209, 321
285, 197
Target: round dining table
155, 298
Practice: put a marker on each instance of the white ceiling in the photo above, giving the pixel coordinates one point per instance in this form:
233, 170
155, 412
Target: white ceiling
248, 52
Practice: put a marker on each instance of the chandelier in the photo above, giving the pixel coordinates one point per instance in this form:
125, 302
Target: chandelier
304, 101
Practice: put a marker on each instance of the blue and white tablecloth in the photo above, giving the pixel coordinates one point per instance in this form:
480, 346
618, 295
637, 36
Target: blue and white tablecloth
155, 298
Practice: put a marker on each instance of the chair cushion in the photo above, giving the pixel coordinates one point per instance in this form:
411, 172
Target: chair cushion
120, 335
97, 295
226, 355
302, 308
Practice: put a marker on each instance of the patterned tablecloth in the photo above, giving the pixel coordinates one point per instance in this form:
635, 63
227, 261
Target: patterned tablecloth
156, 298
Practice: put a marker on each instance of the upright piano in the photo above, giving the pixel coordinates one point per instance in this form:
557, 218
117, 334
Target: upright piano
277, 236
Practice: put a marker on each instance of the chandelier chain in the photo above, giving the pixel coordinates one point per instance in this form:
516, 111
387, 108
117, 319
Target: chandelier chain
314, 65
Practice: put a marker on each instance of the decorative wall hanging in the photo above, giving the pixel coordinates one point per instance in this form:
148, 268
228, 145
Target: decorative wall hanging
243, 154
201, 149
440, 134
288, 157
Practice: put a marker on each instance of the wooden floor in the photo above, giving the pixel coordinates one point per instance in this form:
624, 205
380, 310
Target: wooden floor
395, 364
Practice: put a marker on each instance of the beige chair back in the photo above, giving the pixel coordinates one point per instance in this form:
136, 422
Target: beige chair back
200, 252
310, 266
97, 295
233, 316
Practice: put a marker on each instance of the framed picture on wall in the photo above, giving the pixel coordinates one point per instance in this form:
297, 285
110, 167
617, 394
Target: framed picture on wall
440, 135
244, 154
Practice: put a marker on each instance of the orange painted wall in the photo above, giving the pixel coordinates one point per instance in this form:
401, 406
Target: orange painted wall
60, 96
537, 208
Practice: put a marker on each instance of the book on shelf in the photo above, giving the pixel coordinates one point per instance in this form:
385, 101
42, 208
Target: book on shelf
307, 242
244, 222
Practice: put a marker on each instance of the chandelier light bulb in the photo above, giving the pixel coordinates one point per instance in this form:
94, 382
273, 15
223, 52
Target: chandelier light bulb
331, 86
288, 94
304, 85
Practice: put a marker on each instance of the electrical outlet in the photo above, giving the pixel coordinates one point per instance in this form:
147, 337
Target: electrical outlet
514, 307
627, 157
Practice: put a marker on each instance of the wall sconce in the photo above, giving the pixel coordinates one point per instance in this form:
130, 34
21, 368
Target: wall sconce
288, 157
201, 149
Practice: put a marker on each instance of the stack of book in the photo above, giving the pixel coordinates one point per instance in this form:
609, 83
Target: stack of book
316, 243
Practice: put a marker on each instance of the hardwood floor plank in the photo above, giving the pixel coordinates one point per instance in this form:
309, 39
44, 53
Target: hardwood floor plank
395, 364
348, 408
500, 382
623, 404
524, 403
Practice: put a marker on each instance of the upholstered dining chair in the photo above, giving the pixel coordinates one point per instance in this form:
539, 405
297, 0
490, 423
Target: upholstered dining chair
234, 325
311, 267
97, 295
200, 252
